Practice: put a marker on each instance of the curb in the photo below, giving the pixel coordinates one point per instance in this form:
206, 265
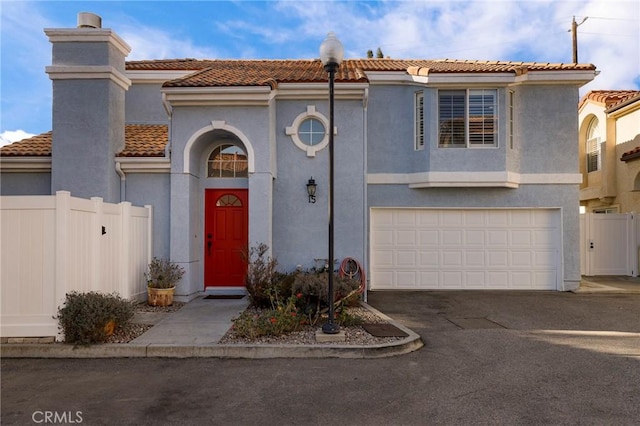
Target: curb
127, 350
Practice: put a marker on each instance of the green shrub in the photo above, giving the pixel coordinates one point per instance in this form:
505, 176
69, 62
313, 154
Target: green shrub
284, 318
312, 289
89, 317
261, 274
163, 273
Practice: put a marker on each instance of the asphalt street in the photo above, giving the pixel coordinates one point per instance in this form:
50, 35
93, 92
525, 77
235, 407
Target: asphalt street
489, 358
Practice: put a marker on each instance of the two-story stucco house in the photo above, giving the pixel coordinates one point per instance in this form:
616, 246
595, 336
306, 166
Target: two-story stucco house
449, 174
609, 142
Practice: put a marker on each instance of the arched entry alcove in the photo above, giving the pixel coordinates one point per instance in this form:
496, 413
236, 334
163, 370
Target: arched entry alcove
215, 196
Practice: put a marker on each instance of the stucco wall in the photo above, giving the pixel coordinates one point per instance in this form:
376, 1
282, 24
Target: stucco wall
627, 173
144, 104
300, 229
390, 124
548, 121
25, 183
88, 118
152, 189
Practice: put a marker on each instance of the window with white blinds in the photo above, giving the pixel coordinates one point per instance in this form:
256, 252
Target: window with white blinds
467, 118
419, 120
594, 161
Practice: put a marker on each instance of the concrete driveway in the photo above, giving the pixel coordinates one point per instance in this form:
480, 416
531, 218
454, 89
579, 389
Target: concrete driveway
491, 358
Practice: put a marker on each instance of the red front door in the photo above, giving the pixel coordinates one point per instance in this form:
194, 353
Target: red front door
225, 237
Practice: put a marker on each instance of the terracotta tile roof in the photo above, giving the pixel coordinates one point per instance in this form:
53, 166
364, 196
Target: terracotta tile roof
631, 155
141, 140
609, 98
224, 72
145, 140
36, 146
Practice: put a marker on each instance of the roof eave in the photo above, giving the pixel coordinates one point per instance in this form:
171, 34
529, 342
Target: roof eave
25, 164
201, 96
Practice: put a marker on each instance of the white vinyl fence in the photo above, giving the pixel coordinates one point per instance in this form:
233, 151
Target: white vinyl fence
52, 245
609, 244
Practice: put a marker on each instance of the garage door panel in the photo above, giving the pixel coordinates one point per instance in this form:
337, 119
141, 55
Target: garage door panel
498, 238
406, 238
407, 279
475, 237
458, 249
452, 218
475, 219
451, 258
545, 258
405, 217
383, 258
521, 258
521, 238
475, 279
497, 218
429, 258
430, 279
427, 238
451, 237
452, 279
406, 258
498, 258
383, 237
474, 258
428, 217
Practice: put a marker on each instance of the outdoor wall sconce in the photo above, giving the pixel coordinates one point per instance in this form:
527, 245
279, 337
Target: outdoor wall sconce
311, 190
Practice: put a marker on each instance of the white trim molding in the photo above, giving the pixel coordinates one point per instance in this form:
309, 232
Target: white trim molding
25, 164
472, 179
210, 96
93, 35
144, 165
88, 72
218, 125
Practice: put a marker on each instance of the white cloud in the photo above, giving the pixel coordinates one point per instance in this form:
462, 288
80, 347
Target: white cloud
152, 43
9, 136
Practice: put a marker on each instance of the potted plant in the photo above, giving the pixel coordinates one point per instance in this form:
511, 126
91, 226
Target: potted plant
162, 276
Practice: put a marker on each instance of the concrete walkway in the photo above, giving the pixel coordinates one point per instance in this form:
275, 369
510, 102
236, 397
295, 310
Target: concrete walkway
195, 331
609, 284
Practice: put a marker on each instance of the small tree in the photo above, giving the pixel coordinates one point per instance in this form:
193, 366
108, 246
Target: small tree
369, 54
379, 53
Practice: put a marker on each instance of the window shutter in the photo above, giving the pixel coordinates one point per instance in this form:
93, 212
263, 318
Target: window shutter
451, 116
419, 120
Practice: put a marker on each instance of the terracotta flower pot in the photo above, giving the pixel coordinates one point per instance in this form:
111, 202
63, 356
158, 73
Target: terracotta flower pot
160, 296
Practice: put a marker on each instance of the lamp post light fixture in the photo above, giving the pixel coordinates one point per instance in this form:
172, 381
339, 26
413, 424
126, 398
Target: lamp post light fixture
331, 54
311, 190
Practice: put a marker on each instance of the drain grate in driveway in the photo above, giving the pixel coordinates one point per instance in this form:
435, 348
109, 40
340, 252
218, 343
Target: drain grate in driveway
384, 330
475, 323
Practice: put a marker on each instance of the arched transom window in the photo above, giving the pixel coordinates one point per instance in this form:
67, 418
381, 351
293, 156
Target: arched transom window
594, 157
228, 200
227, 161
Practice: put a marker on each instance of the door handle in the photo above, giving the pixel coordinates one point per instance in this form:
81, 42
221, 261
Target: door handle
209, 244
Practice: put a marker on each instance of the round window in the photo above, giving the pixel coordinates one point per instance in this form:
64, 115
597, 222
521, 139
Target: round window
311, 131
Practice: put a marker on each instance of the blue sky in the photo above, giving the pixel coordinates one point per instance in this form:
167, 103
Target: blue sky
532, 30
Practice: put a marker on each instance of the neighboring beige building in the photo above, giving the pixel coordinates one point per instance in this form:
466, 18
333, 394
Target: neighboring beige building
609, 138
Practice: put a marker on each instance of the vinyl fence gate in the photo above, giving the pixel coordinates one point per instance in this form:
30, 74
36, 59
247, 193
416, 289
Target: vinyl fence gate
609, 244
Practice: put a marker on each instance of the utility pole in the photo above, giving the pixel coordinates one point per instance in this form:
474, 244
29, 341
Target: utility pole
574, 36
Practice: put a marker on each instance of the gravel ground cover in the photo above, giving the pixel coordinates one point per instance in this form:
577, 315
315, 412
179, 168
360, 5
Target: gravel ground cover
354, 335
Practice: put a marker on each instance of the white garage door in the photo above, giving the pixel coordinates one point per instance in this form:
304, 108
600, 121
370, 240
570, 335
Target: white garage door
465, 249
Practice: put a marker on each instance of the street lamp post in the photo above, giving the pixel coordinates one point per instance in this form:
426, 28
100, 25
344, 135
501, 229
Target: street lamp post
331, 54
